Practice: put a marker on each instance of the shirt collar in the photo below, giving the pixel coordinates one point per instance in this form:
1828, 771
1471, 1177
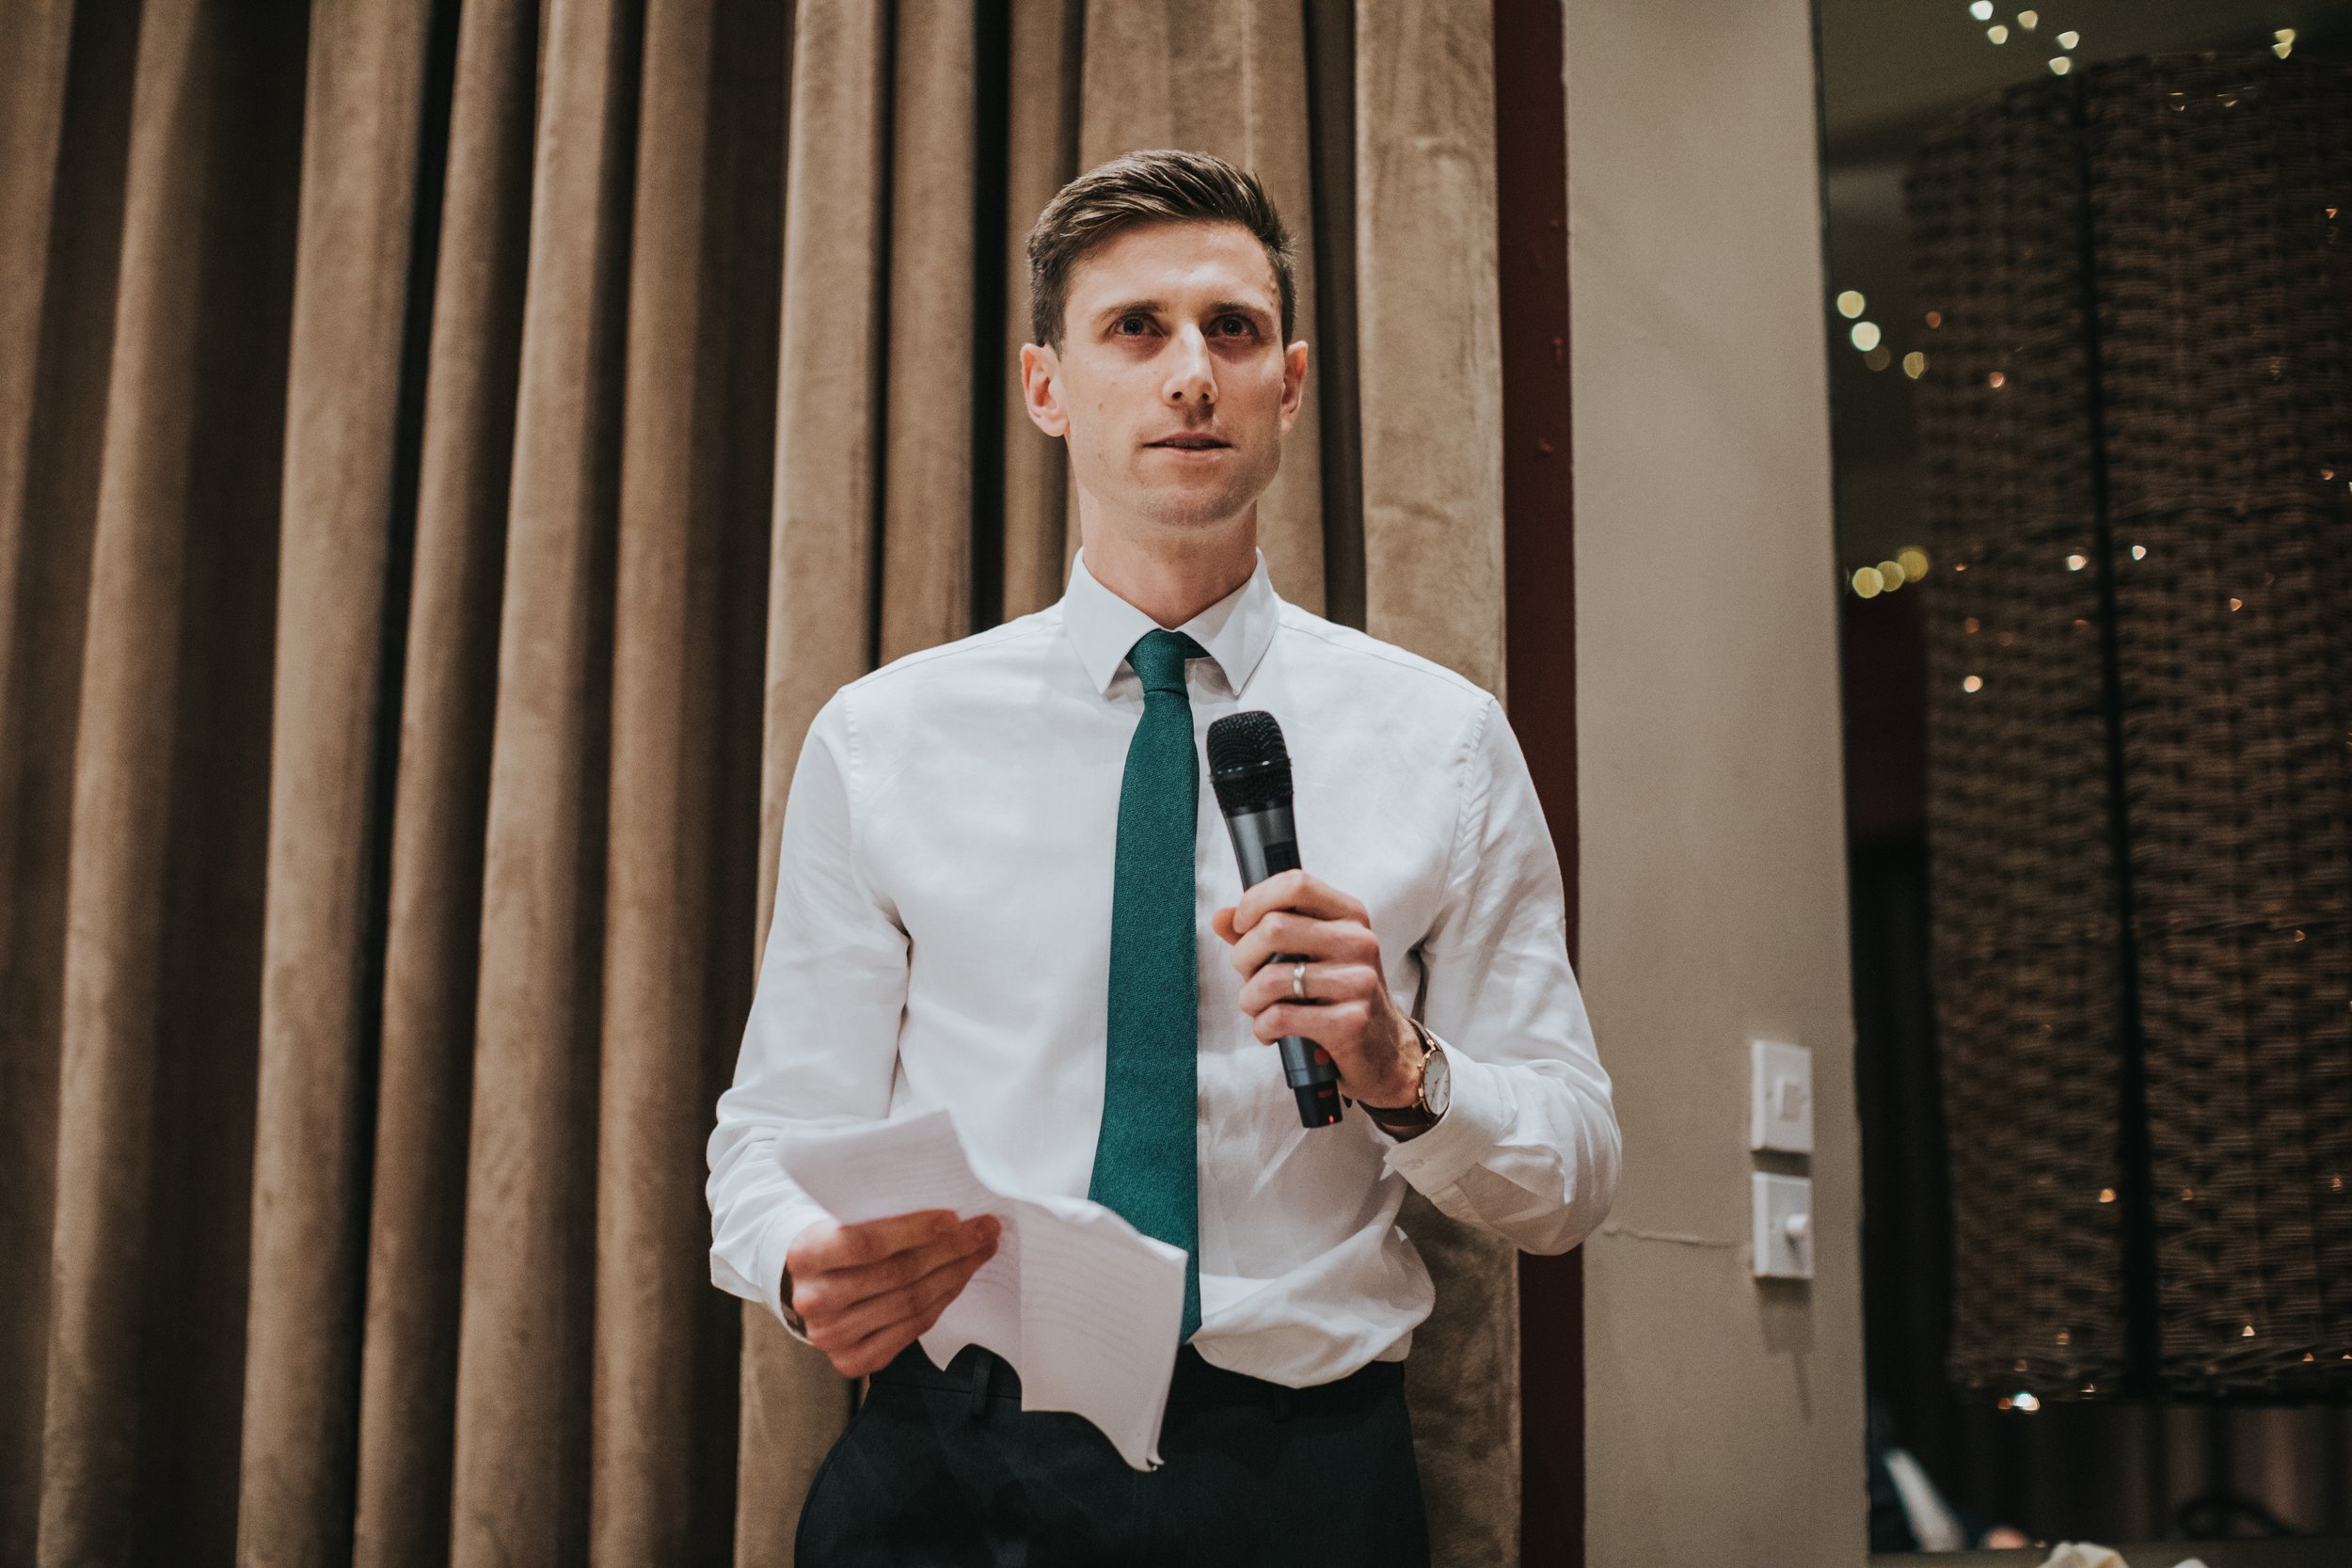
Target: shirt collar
1103, 627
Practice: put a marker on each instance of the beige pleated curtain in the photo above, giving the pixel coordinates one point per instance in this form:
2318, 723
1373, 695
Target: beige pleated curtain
447, 455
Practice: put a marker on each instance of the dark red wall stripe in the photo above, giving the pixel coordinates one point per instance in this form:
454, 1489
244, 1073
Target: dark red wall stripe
1539, 573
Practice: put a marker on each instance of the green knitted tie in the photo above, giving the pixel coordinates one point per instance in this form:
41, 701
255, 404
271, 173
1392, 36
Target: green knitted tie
1145, 1164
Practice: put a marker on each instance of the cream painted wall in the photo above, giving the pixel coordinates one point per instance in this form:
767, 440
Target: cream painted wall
1724, 1417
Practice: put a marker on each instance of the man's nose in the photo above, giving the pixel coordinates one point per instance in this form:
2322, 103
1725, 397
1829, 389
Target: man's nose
1191, 372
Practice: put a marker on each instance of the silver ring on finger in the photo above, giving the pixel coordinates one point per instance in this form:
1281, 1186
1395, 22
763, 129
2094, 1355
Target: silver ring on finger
1298, 982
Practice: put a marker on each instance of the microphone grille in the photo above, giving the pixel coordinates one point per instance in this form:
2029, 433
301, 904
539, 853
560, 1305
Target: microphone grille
1247, 761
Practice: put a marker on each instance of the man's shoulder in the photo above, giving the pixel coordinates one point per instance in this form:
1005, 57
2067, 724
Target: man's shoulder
948, 668
1365, 661
957, 682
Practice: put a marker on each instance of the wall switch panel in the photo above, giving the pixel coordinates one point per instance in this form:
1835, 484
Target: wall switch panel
1784, 1227
1780, 1097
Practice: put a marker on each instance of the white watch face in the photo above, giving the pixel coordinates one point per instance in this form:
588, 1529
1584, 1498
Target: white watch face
1436, 1083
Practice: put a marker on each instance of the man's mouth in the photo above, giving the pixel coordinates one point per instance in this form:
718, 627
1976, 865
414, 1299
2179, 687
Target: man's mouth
1189, 443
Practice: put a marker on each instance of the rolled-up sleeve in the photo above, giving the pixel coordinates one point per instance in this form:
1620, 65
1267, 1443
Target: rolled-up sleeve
1529, 1148
821, 1045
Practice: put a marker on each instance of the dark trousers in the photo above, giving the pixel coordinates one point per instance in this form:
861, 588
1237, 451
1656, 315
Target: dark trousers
944, 1470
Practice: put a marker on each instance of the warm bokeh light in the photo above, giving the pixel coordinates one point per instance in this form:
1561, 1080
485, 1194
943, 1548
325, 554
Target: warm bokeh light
1866, 582
1982, 10
1974, 683
2061, 66
1996, 381
2029, 20
1866, 336
1850, 304
1892, 574
1878, 359
1915, 364
1998, 33
2068, 41
2076, 562
1913, 560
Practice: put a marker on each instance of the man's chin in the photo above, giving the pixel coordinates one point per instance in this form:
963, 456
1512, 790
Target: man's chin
1204, 501
1190, 515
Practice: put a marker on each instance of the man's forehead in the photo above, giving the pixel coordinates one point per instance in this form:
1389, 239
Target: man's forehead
1158, 259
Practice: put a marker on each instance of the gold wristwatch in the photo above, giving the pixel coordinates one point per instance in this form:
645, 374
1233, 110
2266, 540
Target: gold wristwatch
1437, 1089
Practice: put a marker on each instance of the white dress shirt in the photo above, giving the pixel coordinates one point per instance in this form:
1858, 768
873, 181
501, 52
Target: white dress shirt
942, 937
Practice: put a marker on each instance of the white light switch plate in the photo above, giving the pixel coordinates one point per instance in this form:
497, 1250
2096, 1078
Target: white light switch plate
1784, 1227
1780, 1097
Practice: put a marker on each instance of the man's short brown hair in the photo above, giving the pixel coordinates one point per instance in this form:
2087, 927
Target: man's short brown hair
1157, 187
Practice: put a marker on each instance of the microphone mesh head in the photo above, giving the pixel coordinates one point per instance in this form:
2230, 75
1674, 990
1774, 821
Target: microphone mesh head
1247, 761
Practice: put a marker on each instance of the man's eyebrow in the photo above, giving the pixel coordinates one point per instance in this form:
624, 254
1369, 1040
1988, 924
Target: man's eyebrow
1155, 307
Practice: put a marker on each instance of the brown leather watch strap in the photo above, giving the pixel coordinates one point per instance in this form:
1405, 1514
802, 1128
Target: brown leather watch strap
1404, 1117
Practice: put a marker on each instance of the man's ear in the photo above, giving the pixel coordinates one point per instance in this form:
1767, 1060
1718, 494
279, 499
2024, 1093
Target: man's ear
1040, 389
1294, 383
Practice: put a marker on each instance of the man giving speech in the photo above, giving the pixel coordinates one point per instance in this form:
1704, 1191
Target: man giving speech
1007, 891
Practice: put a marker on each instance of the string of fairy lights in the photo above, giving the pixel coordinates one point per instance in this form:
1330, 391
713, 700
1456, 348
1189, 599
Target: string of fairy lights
2026, 22
1910, 564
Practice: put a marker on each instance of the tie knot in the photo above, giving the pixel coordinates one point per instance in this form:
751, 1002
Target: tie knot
1158, 658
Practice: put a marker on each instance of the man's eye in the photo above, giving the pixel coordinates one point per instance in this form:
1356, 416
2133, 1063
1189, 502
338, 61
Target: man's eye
1234, 327
1132, 326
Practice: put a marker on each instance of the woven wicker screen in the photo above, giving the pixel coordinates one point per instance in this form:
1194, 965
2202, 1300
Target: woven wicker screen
2136, 430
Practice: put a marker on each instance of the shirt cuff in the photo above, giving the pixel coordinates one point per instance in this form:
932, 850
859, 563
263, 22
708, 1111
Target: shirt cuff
774, 1244
1477, 1115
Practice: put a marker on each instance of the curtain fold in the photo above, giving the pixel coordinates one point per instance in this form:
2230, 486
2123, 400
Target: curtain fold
446, 457
522, 1477
64, 126
160, 965
362, 109
658, 887
1048, 39
1426, 331
448, 687
698, 451
926, 472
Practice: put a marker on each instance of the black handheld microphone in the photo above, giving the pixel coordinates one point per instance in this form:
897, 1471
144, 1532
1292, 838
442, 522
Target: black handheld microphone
1251, 768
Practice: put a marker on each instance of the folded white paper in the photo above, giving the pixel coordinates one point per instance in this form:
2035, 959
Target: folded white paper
1086, 1306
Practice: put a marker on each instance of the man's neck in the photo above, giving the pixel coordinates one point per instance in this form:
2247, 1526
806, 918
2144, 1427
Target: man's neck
1173, 582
